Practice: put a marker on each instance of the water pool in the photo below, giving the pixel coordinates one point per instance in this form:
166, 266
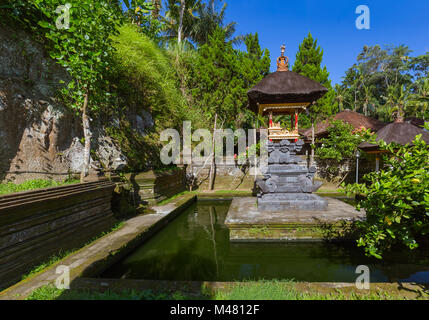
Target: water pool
196, 247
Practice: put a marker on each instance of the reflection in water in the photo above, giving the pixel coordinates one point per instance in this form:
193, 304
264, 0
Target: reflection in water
196, 246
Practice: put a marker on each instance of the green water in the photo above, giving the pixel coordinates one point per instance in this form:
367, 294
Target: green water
195, 246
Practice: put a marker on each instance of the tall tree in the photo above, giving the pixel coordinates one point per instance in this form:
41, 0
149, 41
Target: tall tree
85, 50
157, 6
222, 75
420, 100
309, 64
181, 14
209, 18
377, 69
339, 96
180, 17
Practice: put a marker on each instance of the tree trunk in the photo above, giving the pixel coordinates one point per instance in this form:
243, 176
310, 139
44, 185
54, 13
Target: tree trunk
182, 12
312, 145
87, 134
212, 167
157, 8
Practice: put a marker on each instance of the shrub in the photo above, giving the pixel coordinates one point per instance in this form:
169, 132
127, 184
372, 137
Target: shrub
396, 199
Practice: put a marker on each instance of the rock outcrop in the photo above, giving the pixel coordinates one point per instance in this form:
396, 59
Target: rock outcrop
39, 137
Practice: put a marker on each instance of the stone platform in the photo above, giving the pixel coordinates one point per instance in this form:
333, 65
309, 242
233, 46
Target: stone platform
291, 201
248, 223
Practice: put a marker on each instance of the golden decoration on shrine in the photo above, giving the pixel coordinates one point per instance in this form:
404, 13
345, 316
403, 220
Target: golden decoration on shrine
283, 62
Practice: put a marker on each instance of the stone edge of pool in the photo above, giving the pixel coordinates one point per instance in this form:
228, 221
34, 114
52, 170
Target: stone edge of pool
247, 223
197, 288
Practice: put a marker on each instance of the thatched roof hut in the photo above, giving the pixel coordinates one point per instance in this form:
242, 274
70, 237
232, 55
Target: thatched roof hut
357, 120
399, 132
285, 87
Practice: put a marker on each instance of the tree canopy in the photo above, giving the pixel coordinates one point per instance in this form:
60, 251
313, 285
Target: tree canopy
309, 64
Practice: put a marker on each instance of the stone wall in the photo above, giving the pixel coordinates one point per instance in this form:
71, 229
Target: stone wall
40, 138
331, 173
228, 176
153, 187
37, 224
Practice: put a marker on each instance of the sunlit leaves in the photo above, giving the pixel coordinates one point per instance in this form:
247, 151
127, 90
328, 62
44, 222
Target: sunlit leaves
85, 50
396, 199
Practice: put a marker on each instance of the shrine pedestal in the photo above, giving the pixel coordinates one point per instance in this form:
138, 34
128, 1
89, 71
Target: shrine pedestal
246, 222
287, 185
292, 201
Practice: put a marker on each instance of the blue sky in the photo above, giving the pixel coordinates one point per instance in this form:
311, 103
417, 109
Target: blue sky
332, 22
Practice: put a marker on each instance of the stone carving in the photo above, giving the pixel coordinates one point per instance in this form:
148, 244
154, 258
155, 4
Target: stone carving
286, 183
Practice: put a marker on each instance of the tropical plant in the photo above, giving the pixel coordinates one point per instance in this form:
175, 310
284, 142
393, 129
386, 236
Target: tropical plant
145, 14
338, 149
309, 64
180, 16
85, 50
395, 199
419, 101
222, 75
395, 103
208, 19
193, 21
339, 97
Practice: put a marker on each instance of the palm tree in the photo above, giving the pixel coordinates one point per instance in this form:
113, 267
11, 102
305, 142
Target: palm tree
420, 99
369, 100
194, 20
396, 102
208, 20
180, 16
157, 6
339, 96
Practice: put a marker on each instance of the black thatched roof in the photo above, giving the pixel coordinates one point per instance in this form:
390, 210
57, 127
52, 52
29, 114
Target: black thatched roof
285, 87
399, 132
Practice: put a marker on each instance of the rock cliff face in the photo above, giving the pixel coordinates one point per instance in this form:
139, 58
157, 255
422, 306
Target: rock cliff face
39, 138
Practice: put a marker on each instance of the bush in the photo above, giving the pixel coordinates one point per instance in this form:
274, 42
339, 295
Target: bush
337, 154
396, 199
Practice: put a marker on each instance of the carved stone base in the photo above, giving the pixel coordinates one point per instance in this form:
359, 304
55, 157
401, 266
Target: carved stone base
291, 201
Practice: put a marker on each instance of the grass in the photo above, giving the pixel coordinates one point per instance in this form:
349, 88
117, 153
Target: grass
168, 200
287, 290
50, 292
259, 290
10, 187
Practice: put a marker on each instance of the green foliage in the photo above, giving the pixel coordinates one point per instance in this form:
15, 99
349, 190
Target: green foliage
145, 15
260, 290
396, 199
342, 142
144, 77
85, 49
10, 187
200, 21
145, 81
222, 76
309, 64
50, 292
22, 13
373, 85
